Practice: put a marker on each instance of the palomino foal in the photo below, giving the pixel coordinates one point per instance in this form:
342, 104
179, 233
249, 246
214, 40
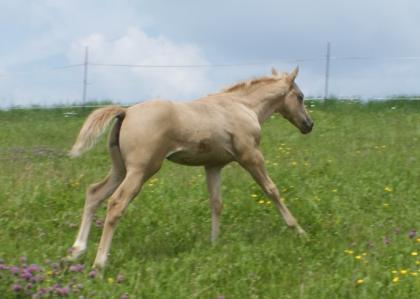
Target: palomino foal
211, 131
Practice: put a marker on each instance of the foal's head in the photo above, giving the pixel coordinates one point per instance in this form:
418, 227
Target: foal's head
292, 107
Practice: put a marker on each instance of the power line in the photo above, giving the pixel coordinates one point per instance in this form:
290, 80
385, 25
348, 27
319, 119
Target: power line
211, 65
216, 65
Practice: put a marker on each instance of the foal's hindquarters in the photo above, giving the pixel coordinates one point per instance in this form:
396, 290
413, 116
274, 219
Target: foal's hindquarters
137, 150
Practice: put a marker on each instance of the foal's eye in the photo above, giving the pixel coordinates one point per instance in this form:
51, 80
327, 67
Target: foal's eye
300, 97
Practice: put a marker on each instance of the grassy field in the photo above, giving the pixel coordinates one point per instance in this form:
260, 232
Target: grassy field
353, 183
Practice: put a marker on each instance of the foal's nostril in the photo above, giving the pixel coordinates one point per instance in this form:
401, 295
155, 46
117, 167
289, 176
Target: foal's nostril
308, 125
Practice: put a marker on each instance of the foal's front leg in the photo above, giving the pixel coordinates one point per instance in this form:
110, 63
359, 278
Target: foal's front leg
253, 162
213, 186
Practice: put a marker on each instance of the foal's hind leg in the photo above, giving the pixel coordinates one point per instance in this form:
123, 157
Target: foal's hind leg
95, 194
129, 188
253, 162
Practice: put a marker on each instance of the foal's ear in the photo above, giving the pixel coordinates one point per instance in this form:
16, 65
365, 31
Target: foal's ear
274, 71
292, 76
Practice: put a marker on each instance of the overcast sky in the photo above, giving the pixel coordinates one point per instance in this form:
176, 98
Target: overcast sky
41, 35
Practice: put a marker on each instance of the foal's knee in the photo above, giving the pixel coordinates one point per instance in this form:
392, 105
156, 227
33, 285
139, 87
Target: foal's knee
115, 211
94, 188
216, 206
272, 191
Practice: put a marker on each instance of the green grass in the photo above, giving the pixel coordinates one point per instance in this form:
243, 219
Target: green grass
353, 184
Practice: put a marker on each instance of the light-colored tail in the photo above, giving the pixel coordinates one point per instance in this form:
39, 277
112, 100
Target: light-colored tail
94, 127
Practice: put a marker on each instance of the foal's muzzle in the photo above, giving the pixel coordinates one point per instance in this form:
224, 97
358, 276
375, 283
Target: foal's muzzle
307, 126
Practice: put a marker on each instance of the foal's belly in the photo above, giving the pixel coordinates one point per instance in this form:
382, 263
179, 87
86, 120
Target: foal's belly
199, 155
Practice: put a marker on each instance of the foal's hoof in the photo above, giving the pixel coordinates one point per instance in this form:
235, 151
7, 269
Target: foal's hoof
73, 255
96, 272
302, 233
99, 271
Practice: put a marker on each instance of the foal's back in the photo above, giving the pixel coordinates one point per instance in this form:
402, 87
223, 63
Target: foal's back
193, 133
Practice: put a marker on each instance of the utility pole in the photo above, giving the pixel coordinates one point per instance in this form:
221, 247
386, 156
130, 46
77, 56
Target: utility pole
85, 75
327, 71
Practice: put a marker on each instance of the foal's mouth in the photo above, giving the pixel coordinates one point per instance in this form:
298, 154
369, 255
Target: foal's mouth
306, 127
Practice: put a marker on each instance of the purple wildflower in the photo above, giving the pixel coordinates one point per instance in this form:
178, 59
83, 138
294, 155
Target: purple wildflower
4, 267
42, 291
14, 270
221, 297
120, 278
16, 287
25, 274
38, 278
92, 274
29, 286
55, 266
76, 268
62, 292
124, 296
412, 234
34, 268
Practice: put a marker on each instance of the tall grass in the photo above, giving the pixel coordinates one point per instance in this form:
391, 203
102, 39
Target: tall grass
353, 184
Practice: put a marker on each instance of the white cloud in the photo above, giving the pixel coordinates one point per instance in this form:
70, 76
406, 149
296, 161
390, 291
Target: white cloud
136, 47
42, 34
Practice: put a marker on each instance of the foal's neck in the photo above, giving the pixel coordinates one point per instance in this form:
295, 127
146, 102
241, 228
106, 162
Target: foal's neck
264, 102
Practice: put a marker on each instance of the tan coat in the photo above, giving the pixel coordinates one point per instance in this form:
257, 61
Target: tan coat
211, 131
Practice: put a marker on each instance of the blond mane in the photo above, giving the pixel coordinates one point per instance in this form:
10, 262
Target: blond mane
246, 84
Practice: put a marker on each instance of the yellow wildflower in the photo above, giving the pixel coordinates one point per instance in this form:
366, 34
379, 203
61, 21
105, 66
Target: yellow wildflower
403, 272
386, 205
418, 240
414, 253
334, 190
395, 279
394, 271
254, 195
413, 273
388, 189
358, 257
294, 163
360, 281
417, 262
110, 280
261, 201
348, 251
